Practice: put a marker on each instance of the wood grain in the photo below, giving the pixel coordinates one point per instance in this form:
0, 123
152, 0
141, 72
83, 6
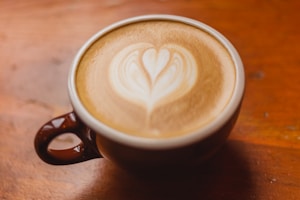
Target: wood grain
261, 160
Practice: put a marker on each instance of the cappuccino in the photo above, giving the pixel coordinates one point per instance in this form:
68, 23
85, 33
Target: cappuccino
156, 78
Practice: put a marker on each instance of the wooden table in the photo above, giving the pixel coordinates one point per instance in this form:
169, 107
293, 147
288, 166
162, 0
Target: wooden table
261, 160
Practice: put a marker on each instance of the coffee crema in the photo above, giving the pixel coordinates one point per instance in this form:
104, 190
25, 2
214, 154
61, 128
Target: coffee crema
156, 79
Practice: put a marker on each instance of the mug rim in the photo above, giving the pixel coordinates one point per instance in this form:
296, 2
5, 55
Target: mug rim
165, 143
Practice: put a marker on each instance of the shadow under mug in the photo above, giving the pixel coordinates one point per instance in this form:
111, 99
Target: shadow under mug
136, 153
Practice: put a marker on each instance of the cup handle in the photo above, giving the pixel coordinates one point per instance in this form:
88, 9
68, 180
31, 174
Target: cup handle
67, 123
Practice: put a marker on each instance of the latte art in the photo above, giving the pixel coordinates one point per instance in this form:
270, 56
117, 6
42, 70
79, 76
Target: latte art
152, 76
155, 79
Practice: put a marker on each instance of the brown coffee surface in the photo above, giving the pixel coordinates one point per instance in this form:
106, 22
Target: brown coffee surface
156, 79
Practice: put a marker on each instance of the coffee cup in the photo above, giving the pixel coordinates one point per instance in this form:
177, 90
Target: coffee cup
149, 92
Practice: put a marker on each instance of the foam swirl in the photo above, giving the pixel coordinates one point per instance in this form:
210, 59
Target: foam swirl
149, 76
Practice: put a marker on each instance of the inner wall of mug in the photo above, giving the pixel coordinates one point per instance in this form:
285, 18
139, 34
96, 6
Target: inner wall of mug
151, 143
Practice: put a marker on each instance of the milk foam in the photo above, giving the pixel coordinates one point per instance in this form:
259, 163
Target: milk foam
156, 79
152, 76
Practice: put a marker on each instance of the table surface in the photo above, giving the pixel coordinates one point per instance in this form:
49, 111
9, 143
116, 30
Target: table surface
260, 160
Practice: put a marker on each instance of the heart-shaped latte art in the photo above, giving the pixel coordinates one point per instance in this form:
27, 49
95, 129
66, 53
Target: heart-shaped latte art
149, 76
